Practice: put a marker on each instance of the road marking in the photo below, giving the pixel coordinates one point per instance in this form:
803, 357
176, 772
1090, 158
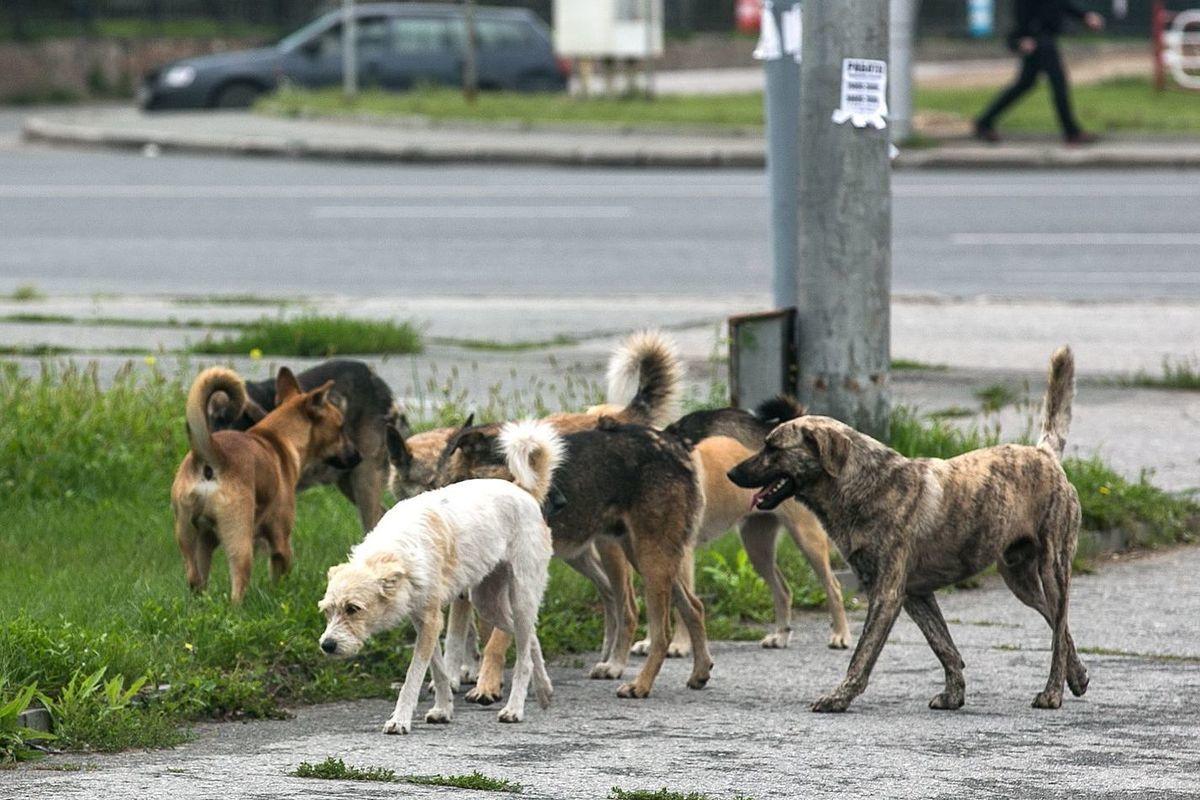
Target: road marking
1004, 190
756, 190
471, 212
1079, 239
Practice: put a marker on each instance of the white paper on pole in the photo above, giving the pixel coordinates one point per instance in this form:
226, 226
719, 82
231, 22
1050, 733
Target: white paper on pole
864, 93
769, 47
793, 31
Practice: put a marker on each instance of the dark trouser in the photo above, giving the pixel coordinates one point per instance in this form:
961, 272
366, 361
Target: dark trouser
1045, 58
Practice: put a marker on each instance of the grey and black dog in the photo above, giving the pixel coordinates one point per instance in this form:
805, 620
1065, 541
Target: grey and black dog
368, 409
911, 526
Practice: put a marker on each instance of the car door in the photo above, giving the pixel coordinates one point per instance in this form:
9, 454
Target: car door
318, 63
506, 50
420, 52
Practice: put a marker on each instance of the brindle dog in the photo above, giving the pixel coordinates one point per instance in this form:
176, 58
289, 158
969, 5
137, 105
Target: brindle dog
911, 526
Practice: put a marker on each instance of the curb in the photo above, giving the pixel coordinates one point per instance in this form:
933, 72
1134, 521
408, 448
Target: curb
36, 718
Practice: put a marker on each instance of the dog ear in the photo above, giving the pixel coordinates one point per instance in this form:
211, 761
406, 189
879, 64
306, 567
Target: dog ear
831, 447
286, 386
469, 423
398, 452
388, 569
402, 425
319, 396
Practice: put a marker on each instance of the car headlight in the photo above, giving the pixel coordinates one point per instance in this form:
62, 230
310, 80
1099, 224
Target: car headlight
179, 77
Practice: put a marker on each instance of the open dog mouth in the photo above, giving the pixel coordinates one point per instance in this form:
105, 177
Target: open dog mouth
773, 493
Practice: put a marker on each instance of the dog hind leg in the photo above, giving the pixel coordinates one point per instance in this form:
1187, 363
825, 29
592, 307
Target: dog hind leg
658, 578
624, 610
691, 609
491, 601
457, 628
522, 623
1055, 569
812, 540
925, 612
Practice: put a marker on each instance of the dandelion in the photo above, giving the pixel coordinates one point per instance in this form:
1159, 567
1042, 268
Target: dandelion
1105, 490
151, 361
255, 354
191, 648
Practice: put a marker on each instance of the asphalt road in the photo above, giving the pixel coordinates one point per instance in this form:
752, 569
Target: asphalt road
750, 732
77, 222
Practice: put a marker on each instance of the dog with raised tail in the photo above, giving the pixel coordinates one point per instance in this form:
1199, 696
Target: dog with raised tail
910, 526
486, 538
238, 488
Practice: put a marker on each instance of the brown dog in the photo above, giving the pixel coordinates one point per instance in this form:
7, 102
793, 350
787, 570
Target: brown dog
238, 489
911, 526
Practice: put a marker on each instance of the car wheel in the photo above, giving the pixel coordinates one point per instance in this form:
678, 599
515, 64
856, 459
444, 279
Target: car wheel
236, 95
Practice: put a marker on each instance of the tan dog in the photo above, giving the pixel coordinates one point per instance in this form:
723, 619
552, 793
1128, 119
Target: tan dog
726, 506
238, 488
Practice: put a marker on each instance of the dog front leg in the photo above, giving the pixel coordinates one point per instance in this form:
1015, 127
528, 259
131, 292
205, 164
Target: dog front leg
428, 629
491, 670
925, 612
886, 599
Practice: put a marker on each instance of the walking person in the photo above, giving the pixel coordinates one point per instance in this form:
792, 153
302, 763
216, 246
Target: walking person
1035, 38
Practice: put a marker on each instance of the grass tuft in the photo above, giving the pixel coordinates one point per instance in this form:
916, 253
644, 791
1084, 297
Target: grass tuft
996, 396
475, 780
27, 292
334, 769
317, 337
1181, 373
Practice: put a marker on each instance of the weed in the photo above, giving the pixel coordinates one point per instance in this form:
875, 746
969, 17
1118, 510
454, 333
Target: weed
26, 292
475, 780
952, 412
1181, 373
92, 713
334, 769
16, 741
907, 364
315, 336
996, 396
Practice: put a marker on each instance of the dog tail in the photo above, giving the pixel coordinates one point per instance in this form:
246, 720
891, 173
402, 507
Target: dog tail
1056, 409
208, 383
779, 409
646, 366
533, 450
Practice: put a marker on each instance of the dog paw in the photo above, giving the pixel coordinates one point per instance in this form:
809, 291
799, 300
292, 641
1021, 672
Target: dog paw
947, 701
605, 671
676, 650
631, 691
831, 704
775, 641
396, 726
437, 716
482, 696
467, 676
640, 648
509, 715
544, 697
839, 641
1078, 683
698, 681
1048, 699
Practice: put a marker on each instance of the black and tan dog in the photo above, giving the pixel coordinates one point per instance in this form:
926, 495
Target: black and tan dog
720, 439
237, 489
367, 407
911, 526
636, 489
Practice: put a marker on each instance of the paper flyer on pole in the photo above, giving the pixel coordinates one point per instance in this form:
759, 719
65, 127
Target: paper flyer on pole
864, 93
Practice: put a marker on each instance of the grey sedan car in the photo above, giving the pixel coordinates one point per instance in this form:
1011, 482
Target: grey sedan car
400, 45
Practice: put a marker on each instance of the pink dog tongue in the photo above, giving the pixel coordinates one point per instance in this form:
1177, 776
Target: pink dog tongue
759, 495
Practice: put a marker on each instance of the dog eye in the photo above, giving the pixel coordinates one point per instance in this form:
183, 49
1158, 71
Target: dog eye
352, 609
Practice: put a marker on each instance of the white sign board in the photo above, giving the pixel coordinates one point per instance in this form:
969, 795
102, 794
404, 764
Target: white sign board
608, 28
864, 93
776, 40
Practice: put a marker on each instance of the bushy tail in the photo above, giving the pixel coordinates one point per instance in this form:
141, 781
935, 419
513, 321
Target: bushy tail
1056, 409
646, 366
533, 450
780, 409
208, 383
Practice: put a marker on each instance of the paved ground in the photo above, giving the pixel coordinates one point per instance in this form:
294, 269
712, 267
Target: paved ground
1133, 734
122, 223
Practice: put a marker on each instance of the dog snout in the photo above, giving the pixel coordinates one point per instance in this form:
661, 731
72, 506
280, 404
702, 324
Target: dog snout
347, 457
738, 476
329, 645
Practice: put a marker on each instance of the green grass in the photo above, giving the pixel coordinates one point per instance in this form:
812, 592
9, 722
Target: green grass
316, 336
905, 364
26, 292
996, 396
475, 780
1180, 373
334, 769
233, 300
737, 110
139, 28
118, 322
1120, 105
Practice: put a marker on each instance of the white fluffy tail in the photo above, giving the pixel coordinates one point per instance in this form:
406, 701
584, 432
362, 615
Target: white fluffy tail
1056, 408
644, 375
532, 450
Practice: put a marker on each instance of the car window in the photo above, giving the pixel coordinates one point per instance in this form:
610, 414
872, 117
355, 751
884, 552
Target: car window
374, 38
492, 34
419, 35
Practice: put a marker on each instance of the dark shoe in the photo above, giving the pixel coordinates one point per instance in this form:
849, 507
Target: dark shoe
986, 134
1080, 138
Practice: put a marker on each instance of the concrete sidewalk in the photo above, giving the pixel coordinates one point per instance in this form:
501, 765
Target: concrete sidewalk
424, 141
750, 732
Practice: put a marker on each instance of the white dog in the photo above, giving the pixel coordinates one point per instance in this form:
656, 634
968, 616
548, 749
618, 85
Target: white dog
485, 537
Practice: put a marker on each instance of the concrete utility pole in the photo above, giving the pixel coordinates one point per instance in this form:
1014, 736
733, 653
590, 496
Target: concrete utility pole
900, 68
782, 100
349, 50
844, 285
470, 73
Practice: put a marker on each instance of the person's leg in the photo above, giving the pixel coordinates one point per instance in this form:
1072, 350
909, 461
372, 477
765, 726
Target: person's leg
1030, 64
1053, 67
